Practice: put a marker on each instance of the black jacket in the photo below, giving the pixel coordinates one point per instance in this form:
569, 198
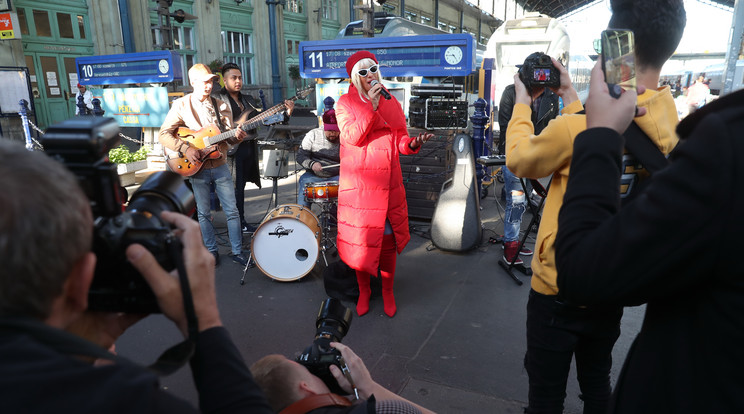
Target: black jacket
247, 151
547, 111
675, 247
39, 378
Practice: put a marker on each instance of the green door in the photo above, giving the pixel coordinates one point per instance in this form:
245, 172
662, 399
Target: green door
56, 83
54, 34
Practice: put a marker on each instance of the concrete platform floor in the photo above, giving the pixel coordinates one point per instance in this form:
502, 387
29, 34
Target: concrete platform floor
456, 344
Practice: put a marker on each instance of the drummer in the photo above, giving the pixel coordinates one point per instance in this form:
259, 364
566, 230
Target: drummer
318, 153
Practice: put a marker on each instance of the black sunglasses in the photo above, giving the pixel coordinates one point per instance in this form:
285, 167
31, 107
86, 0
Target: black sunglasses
371, 69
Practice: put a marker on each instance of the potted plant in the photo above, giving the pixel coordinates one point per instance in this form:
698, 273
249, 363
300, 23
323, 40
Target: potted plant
127, 162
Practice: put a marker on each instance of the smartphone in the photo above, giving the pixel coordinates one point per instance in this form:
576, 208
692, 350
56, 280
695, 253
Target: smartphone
618, 60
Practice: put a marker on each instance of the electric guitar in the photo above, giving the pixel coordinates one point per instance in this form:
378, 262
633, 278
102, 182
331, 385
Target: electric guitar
206, 140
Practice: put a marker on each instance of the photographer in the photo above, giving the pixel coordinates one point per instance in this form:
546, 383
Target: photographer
545, 106
558, 329
292, 389
676, 248
46, 229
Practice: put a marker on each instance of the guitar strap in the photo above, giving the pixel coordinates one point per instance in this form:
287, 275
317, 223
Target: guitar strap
217, 112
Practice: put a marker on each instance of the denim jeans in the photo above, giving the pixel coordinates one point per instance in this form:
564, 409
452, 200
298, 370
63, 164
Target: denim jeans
515, 205
226, 193
556, 333
309, 177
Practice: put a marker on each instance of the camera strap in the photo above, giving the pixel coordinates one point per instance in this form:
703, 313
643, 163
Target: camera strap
313, 402
178, 355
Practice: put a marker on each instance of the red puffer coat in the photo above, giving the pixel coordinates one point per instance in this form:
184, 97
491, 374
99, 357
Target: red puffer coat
371, 182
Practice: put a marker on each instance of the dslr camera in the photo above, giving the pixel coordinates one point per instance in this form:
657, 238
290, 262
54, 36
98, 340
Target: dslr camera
82, 145
332, 324
538, 71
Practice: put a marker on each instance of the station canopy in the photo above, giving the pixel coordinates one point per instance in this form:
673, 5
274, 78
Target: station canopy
557, 8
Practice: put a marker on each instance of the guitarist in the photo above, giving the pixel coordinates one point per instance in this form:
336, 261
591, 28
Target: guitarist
196, 111
243, 158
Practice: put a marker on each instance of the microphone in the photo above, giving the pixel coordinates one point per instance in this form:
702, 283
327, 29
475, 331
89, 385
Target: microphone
384, 92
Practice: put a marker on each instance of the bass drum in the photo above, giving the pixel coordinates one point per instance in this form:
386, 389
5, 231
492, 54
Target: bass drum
286, 244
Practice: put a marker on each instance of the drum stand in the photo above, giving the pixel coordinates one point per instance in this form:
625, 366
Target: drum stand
326, 240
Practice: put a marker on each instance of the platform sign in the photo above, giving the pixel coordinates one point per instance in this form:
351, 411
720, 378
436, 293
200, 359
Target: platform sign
128, 68
432, 55
135, 107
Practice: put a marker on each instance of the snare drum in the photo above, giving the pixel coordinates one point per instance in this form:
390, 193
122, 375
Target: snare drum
285, 245
322, 192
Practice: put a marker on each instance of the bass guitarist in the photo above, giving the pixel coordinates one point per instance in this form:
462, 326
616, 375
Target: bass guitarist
243, 158
195, 111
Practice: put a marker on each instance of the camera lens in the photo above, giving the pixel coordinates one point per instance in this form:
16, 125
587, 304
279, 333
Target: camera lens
333, 320
163, 191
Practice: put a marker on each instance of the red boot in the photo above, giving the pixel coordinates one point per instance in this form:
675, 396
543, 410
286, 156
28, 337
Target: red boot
388, 257
364, 292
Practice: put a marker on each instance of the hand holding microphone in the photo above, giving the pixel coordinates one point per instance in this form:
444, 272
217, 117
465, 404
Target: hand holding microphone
384, 92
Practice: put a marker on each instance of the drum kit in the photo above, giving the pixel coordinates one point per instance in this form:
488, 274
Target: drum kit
288, 242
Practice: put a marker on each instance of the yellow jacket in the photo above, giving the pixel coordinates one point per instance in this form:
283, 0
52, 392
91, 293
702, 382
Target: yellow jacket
536, 156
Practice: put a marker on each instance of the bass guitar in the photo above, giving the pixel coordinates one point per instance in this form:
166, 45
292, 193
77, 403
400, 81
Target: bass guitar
206, 140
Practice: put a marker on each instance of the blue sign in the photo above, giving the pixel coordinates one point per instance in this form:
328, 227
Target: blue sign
135, 107
127, 68
432, 55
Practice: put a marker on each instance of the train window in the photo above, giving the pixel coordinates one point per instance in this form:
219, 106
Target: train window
514, 54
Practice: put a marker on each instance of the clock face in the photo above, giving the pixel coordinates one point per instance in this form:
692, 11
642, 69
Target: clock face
163, 66
453, 55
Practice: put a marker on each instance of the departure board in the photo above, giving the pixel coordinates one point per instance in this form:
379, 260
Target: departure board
432, 55
128, 68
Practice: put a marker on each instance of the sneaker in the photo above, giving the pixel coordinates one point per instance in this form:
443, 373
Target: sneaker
216, 258
247, 228
239, 259
510, 253
525, 251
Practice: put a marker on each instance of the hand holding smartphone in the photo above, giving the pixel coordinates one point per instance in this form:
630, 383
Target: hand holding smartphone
618, 60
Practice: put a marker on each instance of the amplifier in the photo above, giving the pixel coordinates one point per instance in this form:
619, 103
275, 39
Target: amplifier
427, 90
438, 113
275, 163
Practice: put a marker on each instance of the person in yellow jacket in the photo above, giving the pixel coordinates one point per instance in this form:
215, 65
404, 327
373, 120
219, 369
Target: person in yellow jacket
557, 331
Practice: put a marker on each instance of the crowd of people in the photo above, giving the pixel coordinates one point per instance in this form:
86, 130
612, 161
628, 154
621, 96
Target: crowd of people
614, 233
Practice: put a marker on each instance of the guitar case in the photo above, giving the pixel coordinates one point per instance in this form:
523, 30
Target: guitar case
456, 224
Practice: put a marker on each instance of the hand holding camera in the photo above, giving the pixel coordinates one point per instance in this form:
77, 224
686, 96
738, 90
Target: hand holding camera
542, 71
539, 70
199, 265
360, 376
332, 324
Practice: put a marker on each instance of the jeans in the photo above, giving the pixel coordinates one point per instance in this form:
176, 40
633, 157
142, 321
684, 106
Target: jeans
310, 177
226, 193
556, 332
515, 205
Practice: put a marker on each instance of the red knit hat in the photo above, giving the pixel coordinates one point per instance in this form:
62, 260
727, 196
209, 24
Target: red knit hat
356, 57
329, 121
